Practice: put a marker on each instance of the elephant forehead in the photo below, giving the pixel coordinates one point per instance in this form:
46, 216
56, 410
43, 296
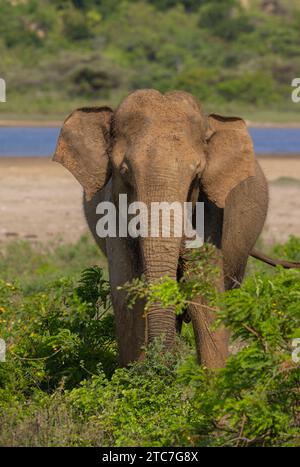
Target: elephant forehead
186, 101
144, 106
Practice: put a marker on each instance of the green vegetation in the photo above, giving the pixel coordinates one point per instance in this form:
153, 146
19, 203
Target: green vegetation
60, 386
237, 57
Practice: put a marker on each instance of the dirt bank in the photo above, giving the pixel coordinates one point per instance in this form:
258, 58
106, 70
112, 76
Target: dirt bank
41, 201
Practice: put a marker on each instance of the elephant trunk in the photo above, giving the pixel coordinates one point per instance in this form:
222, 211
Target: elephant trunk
160, 251
160, 257
164, 191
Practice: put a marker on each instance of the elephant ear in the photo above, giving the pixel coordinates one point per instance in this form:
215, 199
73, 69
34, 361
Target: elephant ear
230, 157
82, 147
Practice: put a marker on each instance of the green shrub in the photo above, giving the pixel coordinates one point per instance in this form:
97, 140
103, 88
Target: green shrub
252, 87
198, 81
60, 386
289, 250
62, 333
225, 18
76, 26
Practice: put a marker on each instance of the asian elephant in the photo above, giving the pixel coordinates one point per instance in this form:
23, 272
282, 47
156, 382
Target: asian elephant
162, 147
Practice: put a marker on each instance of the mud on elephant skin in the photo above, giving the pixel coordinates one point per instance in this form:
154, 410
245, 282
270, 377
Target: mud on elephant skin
156, 148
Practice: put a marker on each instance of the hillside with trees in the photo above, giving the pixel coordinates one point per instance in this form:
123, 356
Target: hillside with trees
234, 55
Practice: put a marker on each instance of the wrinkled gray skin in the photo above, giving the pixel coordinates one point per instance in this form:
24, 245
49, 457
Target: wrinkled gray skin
158, 147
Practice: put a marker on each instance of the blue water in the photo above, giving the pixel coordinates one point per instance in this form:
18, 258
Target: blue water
276, 140
28, 141
42, 141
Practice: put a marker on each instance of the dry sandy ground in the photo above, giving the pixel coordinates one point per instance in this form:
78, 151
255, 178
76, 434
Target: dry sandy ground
41, 201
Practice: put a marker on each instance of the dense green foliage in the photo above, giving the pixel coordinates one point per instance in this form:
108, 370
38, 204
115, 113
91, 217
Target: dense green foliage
59, 54
60, 385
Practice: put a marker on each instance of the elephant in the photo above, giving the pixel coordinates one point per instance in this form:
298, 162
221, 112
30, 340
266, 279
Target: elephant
163, 148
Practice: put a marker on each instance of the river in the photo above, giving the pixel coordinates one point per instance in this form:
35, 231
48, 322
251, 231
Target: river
24, 141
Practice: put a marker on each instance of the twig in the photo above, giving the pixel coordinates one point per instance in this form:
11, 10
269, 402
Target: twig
241, 430
37, 358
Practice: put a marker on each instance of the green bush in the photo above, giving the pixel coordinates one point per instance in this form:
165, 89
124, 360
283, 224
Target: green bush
60, 386
76, 26
289, 250
200, 82
252, 87
225, 18
64, 336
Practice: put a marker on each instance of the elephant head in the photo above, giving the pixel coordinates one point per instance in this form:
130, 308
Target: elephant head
157, 148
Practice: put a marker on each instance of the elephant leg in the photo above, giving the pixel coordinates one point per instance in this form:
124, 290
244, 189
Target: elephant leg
211, 345
234, 232
124, 266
